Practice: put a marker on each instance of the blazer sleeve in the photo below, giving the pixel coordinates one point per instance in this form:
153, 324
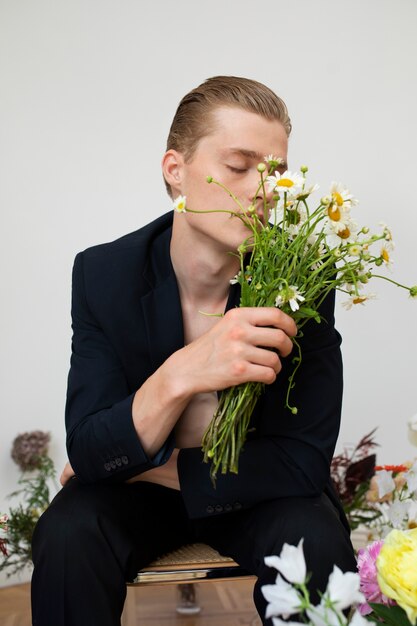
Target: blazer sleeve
289, 455
102, 442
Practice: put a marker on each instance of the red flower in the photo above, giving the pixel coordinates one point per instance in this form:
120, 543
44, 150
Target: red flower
392, 468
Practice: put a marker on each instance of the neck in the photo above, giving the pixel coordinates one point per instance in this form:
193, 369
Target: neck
203, 272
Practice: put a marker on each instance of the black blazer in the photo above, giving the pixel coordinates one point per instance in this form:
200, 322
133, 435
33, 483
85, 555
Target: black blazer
127, 320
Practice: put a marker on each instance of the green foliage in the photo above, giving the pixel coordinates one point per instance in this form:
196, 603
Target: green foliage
351, 473
35, 497
390, 615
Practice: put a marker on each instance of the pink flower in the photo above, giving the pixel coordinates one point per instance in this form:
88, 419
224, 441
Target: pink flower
368, 577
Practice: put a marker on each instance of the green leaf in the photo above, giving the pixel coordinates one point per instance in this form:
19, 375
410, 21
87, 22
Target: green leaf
392, 615
306, 312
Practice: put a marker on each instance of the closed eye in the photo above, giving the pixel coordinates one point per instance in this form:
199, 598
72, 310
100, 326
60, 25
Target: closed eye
237, 170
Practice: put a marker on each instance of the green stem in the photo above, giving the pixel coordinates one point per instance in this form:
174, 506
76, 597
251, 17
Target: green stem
394, 282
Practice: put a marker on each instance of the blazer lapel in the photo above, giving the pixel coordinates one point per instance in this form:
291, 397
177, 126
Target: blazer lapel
161, 305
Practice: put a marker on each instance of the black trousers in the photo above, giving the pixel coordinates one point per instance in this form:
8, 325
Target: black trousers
94, 538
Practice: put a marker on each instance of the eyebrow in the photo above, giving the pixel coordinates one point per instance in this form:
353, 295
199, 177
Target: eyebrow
251, 154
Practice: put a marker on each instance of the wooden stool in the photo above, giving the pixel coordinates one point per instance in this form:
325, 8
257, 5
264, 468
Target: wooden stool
192, 563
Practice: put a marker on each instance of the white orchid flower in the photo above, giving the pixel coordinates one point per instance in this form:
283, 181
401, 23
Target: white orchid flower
358, 620
411, 477
323, 616
291, 563
343, 589
280, 622
385, 483
397, 512
283, 599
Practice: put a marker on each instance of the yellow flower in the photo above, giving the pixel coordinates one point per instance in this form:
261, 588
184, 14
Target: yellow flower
397, 570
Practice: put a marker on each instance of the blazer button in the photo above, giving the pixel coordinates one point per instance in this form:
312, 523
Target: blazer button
113, 464
237, 506
210, 509
118, 462
107, 467
125, 459
219, 508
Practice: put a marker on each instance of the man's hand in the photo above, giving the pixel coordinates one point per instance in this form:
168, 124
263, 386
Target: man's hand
244, 346
67, 473
166, 475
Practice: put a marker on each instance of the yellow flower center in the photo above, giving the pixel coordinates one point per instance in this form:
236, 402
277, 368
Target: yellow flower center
385, 255
337, 198
359, 300
334, 213
344, 234
285, 182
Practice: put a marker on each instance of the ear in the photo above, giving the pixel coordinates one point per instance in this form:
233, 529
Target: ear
172, 166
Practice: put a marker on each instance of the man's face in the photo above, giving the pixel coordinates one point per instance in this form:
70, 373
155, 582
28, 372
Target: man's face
230, 155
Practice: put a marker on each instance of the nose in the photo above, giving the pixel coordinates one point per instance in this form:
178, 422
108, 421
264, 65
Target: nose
259, 195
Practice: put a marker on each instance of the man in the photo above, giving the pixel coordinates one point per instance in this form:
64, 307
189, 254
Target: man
145, 371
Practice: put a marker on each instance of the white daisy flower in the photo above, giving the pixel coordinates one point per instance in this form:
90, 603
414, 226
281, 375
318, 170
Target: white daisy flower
180, 204
337, 216
338, 233
358, 299
235, 279
341, 196
386, 231
290, 183
290, 294
385, 253
274, 161
307, 191
355, 249
295, 216
293, 230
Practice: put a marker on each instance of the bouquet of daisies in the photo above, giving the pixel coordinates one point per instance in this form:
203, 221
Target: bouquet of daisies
291, 259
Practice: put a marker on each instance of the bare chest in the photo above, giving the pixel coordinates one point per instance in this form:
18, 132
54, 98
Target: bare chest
194, 420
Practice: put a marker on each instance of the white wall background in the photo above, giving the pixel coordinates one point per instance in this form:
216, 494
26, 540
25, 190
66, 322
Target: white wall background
88, 90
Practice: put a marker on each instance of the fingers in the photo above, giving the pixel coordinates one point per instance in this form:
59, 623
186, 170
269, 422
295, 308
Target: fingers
267, 327
272, 338
246, 372
244, 346
259, 337
265, 316
67, 473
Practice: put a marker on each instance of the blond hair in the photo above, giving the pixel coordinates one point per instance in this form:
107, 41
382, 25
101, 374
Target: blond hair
193, 119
